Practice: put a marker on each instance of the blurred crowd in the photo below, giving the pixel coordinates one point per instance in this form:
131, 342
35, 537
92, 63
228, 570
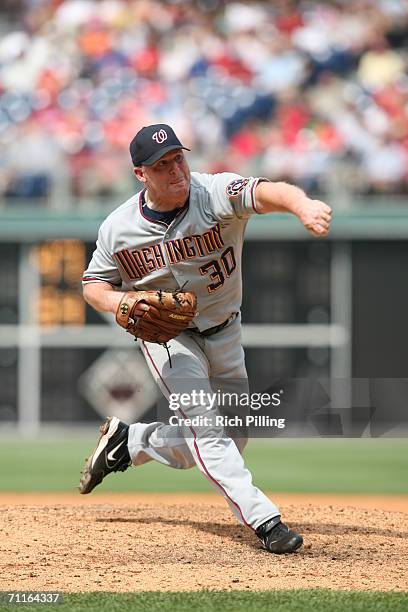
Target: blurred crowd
311, 92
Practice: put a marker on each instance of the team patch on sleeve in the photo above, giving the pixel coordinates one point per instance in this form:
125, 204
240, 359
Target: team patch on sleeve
235, 187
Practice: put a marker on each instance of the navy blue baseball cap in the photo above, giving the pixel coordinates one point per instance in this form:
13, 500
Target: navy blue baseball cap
152, 142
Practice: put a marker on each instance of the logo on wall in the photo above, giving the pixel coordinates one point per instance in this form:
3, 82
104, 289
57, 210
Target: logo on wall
119, 383
160, 136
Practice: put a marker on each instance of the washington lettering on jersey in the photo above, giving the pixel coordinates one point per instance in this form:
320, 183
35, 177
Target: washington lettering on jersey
201, 246
138, 263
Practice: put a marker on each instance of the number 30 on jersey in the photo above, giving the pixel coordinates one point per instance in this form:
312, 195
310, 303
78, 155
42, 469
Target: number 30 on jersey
219, 269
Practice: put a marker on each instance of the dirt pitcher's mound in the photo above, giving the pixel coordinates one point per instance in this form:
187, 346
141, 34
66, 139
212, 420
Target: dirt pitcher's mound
191, 546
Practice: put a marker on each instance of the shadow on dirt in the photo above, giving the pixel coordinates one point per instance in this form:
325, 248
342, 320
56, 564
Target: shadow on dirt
328, 547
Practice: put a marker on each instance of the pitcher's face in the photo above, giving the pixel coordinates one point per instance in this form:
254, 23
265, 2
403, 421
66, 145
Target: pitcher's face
168, 179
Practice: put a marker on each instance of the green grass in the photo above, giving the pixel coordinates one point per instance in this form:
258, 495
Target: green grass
320, 465
318, 600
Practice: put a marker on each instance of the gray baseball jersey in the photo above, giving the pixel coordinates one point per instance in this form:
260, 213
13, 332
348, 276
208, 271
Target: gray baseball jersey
200, 249
200, 246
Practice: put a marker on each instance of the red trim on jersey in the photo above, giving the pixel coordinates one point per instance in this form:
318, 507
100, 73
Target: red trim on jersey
254, 184
196, 445
141, 199
94, 279
261, 179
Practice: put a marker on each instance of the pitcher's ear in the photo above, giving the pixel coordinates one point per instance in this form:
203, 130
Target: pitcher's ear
139, 174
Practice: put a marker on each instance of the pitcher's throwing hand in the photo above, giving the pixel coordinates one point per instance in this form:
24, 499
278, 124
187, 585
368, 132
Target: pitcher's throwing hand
315, 216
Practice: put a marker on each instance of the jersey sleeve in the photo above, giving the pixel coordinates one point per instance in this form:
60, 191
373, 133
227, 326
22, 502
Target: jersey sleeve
102, 267
233, 195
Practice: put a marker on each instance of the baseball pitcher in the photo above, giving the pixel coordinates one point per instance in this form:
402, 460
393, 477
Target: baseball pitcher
168, 265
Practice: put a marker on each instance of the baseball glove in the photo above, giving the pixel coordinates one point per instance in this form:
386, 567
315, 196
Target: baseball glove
156, 316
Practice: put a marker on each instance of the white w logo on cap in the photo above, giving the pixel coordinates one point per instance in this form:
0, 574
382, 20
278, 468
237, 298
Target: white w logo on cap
160, 136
